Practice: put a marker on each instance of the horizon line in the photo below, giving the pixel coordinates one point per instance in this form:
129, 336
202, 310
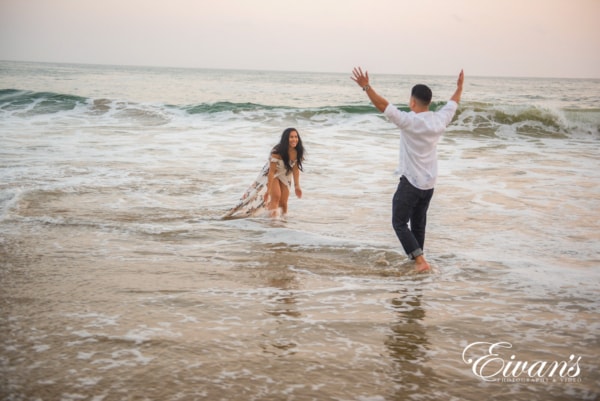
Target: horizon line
90, 64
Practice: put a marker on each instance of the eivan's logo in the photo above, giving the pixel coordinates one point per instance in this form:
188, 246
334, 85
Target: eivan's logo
489, 362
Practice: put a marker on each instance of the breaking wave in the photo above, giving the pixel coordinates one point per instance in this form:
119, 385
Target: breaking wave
478, 118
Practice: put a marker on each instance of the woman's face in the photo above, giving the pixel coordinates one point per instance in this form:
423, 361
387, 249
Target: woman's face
293, 139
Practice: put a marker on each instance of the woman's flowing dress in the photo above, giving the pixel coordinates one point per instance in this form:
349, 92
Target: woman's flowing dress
252, 202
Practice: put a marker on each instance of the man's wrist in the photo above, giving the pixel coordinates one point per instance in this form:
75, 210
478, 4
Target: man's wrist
366, 87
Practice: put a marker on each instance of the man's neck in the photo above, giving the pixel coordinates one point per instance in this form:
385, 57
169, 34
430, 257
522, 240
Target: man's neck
420, 109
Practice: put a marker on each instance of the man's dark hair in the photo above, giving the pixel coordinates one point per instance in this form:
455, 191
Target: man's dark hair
422, 93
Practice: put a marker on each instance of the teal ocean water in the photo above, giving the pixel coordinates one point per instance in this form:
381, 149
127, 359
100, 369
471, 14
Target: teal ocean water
120, 281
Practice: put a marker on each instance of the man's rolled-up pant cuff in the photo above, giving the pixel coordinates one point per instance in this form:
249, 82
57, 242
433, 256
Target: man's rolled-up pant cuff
415, 253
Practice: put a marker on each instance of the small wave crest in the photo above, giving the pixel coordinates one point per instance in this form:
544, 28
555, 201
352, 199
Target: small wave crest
31, 103
488, 119
23, 105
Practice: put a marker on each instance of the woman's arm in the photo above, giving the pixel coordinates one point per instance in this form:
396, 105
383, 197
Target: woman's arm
296, 174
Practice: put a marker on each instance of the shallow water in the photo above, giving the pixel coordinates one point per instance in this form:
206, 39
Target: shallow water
120, 281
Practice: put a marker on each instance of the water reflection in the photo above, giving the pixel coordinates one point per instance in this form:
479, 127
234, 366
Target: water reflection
281, 338
283, 303
408, 345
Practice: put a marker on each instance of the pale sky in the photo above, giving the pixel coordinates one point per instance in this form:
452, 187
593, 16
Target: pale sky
529, 38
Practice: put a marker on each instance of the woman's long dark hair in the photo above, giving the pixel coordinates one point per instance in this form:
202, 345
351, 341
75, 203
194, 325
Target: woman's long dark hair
283, 146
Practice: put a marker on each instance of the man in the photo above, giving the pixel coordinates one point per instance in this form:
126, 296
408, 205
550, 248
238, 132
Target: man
420, 131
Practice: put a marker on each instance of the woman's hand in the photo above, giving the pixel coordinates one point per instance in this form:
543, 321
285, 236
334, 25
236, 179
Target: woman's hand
298, 192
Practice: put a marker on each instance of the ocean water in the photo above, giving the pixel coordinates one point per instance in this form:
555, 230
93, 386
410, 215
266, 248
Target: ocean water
120, 281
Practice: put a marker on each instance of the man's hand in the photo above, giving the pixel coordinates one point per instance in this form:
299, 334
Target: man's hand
459, 87
362, 79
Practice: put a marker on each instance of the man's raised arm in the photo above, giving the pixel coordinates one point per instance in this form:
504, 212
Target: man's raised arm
362, 79
459, 87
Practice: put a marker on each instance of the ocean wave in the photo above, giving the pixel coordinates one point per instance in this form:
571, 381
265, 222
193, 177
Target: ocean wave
476, 117
32, 103
528, 120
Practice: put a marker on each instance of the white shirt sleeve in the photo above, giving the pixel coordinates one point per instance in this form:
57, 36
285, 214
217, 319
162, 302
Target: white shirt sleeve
447, 112
396, 116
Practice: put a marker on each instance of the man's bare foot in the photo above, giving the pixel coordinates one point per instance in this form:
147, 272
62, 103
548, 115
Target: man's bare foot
421, 264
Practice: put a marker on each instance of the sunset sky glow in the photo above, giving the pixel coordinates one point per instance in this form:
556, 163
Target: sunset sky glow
530, 38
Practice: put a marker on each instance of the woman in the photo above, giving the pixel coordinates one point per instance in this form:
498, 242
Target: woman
271, 189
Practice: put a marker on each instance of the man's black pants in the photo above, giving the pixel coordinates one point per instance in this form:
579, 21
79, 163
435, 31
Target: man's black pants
410, 205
